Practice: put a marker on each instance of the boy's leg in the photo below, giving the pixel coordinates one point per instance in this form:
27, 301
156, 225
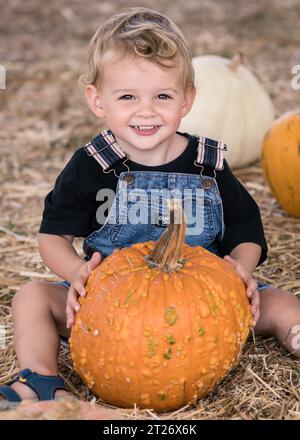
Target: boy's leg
39, 315
280, 316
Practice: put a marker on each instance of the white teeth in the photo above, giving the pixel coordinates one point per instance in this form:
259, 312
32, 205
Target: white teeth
144, 127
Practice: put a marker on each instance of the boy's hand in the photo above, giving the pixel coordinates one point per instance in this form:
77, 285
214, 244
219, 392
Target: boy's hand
77, 287
250, 284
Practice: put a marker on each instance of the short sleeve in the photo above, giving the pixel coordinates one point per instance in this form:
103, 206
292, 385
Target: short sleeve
241, 216
64, 213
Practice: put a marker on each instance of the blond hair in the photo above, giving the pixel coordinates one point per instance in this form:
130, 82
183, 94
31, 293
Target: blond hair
138, 32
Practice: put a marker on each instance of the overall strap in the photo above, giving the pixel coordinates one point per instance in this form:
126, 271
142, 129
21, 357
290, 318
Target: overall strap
210, 153
106, 151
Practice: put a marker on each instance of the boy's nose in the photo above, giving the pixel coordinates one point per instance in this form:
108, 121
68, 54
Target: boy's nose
145, 109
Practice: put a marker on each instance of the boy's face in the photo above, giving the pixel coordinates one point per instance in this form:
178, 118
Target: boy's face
141, 102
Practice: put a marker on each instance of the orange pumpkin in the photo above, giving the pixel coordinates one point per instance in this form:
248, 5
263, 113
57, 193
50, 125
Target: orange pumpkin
281, 161
162, 323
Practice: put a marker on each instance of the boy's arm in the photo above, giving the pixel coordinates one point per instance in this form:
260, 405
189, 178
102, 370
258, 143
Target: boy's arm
244, 258
59, 255
248, 254
243, 223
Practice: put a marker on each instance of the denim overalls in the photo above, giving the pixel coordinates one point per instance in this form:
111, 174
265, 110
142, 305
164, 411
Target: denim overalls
137, 213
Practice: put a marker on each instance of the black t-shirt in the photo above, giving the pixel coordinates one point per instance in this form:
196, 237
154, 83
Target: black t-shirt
70, 208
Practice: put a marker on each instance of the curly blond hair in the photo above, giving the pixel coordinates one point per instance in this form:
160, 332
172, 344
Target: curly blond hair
140, 32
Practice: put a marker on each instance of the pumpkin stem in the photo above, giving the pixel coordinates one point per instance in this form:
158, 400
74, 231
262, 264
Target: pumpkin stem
241, 59
238, 59
167, 254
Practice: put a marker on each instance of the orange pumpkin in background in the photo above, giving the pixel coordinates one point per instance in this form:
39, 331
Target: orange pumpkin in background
162, 323
281, 161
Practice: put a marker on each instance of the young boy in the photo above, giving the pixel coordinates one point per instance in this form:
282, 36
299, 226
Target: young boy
140, 79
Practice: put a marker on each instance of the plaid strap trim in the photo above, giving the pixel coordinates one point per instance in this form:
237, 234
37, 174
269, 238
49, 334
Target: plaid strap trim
210, 152
105, 150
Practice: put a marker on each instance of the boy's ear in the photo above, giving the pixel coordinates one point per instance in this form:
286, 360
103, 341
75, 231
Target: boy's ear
94, 100
188, 102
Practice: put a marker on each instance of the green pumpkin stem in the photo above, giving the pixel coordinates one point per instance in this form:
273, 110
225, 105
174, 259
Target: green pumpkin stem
167, 254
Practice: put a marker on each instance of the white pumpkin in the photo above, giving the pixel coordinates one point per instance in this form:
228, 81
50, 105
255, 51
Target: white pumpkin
231, 106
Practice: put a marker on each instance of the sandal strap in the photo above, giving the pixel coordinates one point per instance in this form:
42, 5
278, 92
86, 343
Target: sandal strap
10, 394
44, 386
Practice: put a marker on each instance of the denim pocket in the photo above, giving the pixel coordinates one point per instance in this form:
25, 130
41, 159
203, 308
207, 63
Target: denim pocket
200, 229
134, 223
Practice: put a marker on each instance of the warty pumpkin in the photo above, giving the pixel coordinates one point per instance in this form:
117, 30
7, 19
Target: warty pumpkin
281, 161
162, 323
231, 105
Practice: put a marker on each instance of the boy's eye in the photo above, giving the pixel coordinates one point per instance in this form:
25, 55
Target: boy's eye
164, 96
126, 97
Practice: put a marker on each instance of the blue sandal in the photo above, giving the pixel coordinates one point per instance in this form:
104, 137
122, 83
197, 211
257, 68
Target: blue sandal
43, 386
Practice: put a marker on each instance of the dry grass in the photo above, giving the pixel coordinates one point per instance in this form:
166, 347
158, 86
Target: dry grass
45, 119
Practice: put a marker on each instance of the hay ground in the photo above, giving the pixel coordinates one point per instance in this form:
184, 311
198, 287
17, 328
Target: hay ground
43, 119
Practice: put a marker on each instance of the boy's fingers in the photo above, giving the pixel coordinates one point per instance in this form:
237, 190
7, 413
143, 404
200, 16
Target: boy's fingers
81, 278
250, 292
256, 318
257, 315
72, 300
230, 260
255, 298
254, 284
251, 288
70, 316
255, 308
94, 261
79, 287
69, 312
69, 323
96, 256
227, 257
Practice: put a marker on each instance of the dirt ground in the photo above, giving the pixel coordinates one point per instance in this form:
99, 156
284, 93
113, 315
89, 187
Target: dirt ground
44, 118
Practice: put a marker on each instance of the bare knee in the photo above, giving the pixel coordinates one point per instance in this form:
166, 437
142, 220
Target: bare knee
277, 309
287, 310
41, 297
283, 309
31, 292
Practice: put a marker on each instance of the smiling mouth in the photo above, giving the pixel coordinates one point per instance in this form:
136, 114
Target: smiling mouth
145, 130
145, 127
